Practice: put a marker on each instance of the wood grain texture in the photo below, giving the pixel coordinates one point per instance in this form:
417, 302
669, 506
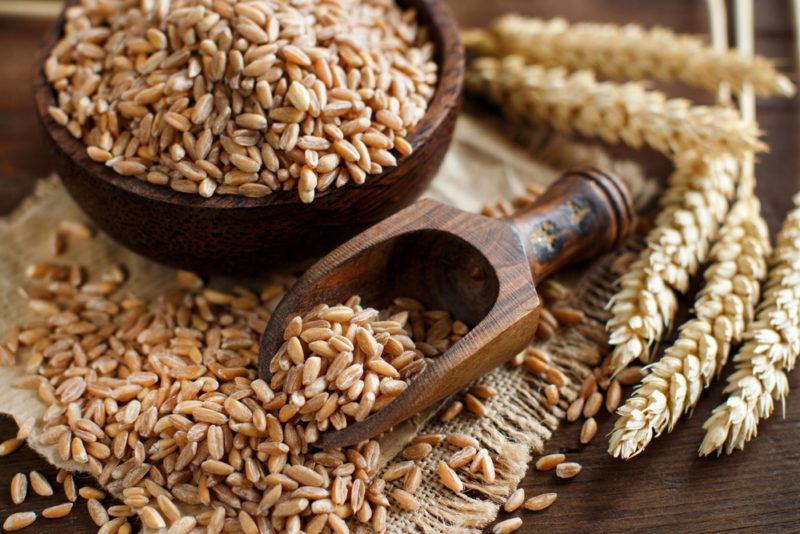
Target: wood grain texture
667, 489
481, 268
229, 234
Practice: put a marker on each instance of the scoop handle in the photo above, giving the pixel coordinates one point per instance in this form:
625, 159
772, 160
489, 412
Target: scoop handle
583, 214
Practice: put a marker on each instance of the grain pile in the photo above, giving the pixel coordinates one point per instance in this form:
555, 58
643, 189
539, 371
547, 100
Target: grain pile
342, 363
161, 402
243, 98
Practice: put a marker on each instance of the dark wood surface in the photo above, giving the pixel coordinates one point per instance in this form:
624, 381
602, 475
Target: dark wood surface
453, 260
667, 489
231, 234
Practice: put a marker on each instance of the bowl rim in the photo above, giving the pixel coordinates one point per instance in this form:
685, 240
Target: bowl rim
435, 15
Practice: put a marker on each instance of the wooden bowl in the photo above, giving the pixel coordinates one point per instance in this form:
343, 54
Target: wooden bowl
240, 235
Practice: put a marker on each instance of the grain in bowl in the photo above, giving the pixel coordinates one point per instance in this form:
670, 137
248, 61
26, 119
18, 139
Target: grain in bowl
244, 98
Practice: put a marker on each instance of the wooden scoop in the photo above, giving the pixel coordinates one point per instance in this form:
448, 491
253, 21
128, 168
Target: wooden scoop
482, 270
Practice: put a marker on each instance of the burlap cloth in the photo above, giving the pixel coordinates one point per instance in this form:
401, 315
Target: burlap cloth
482, 166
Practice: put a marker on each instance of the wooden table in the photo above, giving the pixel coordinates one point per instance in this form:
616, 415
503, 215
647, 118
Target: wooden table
667, 489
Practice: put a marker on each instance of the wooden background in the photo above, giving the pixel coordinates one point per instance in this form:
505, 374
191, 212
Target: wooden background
667, 489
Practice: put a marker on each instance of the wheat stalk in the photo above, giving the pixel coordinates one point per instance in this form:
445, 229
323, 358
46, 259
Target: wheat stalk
723, 308
616, 113
693, 205
629, 51
771, 348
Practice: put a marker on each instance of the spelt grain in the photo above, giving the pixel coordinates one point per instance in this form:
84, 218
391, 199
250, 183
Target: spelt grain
514, 500
40, 485
57, 511
18, 521
88, 493
575, 409
567, 316
631, 376
588, 387
405, 500
462, 457
97, 512
551, 394
449, 477
593, 404
550, 461
556, 377
184, 525
9, 446
69, 488
417, 451
568, 469
462, 440
588, 431
19, 488
613, 396
150, 518
540, 502
507, 526
413, 479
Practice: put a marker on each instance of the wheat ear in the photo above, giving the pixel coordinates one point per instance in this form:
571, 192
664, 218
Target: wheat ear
628, 52
771, 348
693, 206
723, 308
616, 113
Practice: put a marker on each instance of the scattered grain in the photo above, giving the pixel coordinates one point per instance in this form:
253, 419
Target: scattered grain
593, 404
631, 375
9, 446
57, 511
97, 512
507, 526
89, 492
588, 430
540, 502
40, 485
417, 451
551, 394
550, 461
19, 521
449, 477
567, 316
405, 500
613, 396
568, 469
575, 409
19, 488
514, 500
476, 407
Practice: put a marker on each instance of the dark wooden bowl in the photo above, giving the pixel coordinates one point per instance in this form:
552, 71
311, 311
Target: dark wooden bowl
239, 235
